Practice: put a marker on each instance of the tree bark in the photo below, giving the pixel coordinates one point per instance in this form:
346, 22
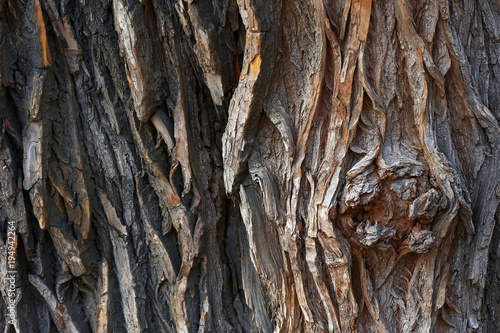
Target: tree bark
251, 165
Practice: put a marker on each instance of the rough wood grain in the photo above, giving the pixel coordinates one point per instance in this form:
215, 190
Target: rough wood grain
251, 165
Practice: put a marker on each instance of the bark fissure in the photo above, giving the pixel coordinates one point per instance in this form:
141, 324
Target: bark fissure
251, 166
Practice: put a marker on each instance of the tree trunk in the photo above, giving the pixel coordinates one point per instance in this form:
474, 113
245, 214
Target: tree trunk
251, 165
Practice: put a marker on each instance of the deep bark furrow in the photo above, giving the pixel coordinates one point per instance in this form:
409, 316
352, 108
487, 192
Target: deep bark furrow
251, 166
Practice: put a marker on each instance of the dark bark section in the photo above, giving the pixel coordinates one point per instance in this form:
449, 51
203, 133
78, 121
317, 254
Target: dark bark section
222, 166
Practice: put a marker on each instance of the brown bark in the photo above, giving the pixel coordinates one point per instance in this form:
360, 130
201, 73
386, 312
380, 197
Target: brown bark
251, 166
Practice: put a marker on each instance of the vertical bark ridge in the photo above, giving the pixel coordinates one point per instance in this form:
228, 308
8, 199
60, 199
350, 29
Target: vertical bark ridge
222, 165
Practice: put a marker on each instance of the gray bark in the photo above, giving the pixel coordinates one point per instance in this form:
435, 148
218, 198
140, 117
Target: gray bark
251, 166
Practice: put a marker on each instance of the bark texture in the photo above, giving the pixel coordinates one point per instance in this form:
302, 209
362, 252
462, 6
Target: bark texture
251, 165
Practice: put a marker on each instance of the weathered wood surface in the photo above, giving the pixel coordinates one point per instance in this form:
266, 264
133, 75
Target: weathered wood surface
252, 166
